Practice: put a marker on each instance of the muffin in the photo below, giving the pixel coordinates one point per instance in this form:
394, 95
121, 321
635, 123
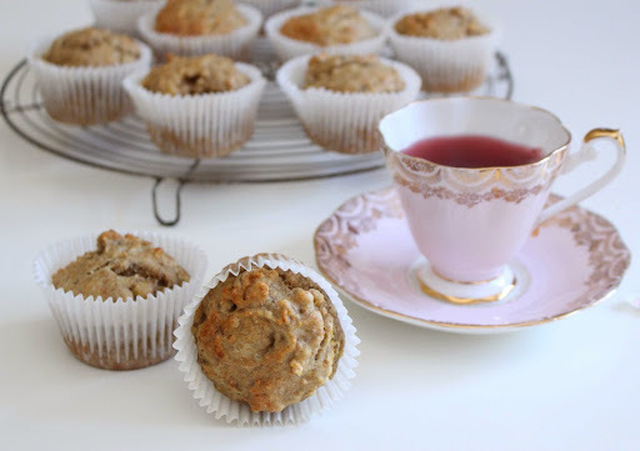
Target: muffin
117, 298
267, 337
79, 74
329, 26
266, 341
199, 75
341, 98
198, 107
92, 47
336, 29
447, 24
385, 8
198, 27
122, 15
198, 17
352, 73
449, 47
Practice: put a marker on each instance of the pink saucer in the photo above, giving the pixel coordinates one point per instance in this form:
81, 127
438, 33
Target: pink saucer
575, 260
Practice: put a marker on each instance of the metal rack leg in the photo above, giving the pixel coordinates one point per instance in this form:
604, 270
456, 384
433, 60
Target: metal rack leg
178, 208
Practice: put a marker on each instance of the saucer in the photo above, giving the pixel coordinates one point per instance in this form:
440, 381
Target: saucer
573, 261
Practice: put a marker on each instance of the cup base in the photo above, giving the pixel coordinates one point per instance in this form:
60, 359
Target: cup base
506, 285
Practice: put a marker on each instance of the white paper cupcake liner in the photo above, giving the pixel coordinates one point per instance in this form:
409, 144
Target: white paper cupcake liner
235, 45
287, 48
233, 411
446, 66
84, 95
344, 122
199, 126
119, 335
385, 8
122, 16
270, 7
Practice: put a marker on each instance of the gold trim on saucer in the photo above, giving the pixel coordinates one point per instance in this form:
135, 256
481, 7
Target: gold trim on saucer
431, 292
461, 282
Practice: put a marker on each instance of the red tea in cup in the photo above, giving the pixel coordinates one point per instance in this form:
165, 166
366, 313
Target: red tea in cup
473, 151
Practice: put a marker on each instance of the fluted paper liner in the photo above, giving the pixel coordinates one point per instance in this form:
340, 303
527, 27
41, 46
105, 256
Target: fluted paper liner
287, 48
84, 95
270, 7
344, 122
447, 66
233, 411
119, 334
235, 45
385, 8
199, 126
122, 16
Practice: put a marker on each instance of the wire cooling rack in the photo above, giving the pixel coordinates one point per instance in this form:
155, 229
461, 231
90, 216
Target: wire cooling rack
279, 150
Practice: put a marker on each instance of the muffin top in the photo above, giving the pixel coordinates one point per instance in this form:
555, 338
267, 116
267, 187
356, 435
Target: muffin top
121, 267
92, 47
182, 76
352, 73
334, 25
269, 338
445, 23
198, 17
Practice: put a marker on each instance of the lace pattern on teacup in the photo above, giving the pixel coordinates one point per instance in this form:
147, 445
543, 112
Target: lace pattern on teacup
470, 187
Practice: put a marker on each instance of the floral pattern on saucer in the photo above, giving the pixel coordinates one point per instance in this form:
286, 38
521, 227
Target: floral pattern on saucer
574, 260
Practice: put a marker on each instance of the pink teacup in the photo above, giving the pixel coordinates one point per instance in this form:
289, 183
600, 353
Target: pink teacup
470, 219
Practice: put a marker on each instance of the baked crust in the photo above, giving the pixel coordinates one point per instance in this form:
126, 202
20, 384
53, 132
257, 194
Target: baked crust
121, 267
444, 23
269, 338
352, 73
92, 47
334, 25
195, 75
199, 17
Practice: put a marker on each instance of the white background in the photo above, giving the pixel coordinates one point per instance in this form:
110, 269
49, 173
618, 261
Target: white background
572, 384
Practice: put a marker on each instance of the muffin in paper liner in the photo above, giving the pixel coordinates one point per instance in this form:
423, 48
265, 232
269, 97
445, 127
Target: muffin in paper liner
122, 16
287, 48
446, 66
233, 411
270, 7
199, 126
344, 122
235, 45
385, 8
119, 334
84, 95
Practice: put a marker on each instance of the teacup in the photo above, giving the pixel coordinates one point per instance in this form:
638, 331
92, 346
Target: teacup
470, 222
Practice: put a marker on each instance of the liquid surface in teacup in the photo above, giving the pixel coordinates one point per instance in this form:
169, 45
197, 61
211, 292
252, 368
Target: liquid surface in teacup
473, 151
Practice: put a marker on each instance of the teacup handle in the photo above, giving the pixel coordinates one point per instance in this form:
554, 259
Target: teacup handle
587, 153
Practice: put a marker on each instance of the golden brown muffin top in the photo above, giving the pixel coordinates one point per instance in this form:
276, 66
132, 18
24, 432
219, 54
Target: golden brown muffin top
334, 25
92, 47
269, 338
445, 23
183, 76
121, 267
199, 17
352, 73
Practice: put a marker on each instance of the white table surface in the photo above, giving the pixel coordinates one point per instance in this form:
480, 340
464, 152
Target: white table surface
571, 384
